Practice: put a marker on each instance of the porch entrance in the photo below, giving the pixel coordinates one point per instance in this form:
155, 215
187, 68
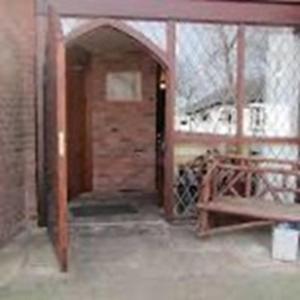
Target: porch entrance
116, 118
232, 88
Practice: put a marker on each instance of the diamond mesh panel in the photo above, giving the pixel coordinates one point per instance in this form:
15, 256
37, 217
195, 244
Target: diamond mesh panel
154, 31
192, 163
206, 63
272, 82
69, 24
283, 152
206, 84
205, 102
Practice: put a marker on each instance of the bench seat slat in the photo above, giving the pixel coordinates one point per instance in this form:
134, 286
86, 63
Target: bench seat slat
253, 207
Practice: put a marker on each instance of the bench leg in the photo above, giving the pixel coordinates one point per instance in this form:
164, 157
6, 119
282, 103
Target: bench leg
203, 222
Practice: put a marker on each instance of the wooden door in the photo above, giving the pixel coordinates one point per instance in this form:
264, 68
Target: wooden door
55, 140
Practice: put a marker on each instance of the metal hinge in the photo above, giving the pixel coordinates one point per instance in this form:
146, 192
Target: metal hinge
61, 144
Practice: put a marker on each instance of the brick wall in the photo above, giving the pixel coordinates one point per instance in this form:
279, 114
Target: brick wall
17, 131
123, 133
78, 170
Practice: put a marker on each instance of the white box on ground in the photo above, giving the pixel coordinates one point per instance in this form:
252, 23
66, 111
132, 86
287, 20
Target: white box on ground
285, 243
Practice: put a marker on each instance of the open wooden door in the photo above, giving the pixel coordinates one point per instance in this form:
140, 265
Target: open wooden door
55, 140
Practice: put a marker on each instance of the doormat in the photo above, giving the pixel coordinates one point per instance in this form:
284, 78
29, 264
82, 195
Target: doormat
94, 210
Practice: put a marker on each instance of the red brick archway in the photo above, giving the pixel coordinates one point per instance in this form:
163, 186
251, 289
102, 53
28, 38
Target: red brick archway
155, 52
85, 183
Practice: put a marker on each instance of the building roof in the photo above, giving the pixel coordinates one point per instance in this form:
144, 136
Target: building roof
226, 96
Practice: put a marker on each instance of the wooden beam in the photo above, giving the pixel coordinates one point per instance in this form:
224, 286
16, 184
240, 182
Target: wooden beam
240, 86
169, 115
234, 228
41, 25
254, 208
249, 12
259, 170
259, 159
215, 139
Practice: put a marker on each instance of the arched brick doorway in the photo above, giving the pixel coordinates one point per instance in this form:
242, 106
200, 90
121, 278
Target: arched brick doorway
115, 135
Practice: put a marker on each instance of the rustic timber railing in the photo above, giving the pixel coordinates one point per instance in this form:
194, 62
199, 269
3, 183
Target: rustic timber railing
258, 190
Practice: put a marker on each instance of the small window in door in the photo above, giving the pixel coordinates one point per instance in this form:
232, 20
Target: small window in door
124, 86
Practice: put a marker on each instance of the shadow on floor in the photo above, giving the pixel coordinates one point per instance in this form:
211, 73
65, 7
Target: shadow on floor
115, 208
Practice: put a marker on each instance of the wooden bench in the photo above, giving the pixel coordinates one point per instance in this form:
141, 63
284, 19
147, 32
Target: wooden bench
264, 191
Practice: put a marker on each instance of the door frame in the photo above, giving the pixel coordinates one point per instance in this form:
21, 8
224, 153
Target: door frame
55, 158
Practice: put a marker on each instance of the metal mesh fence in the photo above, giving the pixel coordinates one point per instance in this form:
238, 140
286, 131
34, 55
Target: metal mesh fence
69, 24
205, 69
206, 103
206, 58
277, 151
272, 80
156, 32
192, 163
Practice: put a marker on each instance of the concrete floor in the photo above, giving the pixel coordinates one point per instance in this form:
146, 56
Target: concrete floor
147, 260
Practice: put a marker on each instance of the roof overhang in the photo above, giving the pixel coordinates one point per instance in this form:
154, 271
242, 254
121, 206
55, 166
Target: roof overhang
272, 12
